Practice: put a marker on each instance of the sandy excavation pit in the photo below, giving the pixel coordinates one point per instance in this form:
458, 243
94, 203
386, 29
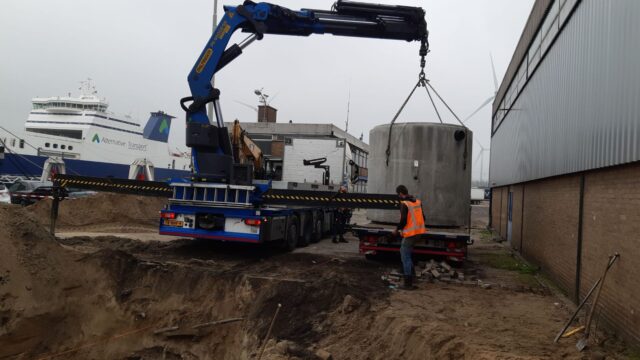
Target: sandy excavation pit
115, 298
62, 303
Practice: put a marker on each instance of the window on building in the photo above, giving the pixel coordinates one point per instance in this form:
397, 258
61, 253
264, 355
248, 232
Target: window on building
73, 134
70, 147
21, 144
47, 145
63, 147
55, 146
549, 28
565, 9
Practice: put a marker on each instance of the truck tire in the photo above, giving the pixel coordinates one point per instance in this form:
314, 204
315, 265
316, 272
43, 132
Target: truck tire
317, 231
291, 240
307, 235
371, 257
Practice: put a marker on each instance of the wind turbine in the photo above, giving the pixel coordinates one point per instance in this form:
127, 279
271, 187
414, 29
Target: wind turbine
485, 103
481, 157
246, 105
490, 99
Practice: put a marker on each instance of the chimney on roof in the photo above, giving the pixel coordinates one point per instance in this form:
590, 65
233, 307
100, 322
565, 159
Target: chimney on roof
267, 113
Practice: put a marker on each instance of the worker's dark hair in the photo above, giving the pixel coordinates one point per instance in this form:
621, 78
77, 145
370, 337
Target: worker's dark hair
401, 189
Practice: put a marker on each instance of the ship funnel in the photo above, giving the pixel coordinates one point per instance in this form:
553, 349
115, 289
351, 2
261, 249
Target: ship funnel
158, 127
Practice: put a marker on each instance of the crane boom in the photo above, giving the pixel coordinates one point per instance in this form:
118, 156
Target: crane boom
212, 154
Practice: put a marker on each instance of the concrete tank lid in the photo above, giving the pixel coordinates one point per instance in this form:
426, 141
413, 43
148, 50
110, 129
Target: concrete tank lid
421, 124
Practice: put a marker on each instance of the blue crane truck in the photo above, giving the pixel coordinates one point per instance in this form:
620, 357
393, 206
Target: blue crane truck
222, 200
259, 213
235, 213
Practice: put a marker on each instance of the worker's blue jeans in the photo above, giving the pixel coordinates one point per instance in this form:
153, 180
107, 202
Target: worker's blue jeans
406, 248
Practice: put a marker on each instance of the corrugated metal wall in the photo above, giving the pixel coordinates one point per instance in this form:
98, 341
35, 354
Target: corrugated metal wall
580, 110
534, 21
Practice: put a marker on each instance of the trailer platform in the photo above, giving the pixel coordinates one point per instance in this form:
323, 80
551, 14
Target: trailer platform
448, 243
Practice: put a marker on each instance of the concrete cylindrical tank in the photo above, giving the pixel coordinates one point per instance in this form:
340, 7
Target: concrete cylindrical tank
432, 160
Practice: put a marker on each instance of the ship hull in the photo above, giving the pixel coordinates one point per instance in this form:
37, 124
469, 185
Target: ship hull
31, 166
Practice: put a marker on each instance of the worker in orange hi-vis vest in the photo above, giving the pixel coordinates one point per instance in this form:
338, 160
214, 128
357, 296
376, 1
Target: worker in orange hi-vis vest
411, 226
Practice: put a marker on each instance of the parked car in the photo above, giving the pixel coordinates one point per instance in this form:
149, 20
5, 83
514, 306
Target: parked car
27, 192
74, 193
5, 198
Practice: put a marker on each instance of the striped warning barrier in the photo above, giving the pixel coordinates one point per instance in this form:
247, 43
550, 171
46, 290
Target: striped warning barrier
330, 199
138, 187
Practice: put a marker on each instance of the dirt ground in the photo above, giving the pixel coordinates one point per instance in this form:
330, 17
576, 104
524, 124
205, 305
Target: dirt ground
103, 212
119, 297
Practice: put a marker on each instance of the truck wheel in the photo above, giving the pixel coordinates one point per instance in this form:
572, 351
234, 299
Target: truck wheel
307, 235
305, 240
291, 240
317, 231
371, 257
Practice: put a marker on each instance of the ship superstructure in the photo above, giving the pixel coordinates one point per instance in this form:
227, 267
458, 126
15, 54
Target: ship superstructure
81, 129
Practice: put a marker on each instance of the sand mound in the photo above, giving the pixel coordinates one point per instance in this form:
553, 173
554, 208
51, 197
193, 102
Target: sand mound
57, 302
103, 211
29, 253
33, 271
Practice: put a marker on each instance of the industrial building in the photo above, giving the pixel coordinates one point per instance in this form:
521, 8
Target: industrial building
565, 154
286, 145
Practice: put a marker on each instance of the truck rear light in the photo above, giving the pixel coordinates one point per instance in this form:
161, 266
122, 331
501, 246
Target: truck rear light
369, 240
451, 245
253, 222
167, 215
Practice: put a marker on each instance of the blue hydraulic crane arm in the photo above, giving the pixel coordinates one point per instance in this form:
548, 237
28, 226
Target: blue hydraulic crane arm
211, 150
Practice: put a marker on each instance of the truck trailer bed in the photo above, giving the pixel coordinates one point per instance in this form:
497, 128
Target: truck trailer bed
450, 243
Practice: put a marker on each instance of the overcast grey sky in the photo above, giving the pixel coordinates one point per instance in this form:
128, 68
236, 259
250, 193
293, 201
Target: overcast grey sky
140, 52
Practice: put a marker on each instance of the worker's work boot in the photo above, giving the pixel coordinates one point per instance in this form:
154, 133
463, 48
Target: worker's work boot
408, 283
343, 240
334, 240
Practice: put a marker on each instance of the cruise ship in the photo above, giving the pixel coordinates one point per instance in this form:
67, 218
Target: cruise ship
82, 137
